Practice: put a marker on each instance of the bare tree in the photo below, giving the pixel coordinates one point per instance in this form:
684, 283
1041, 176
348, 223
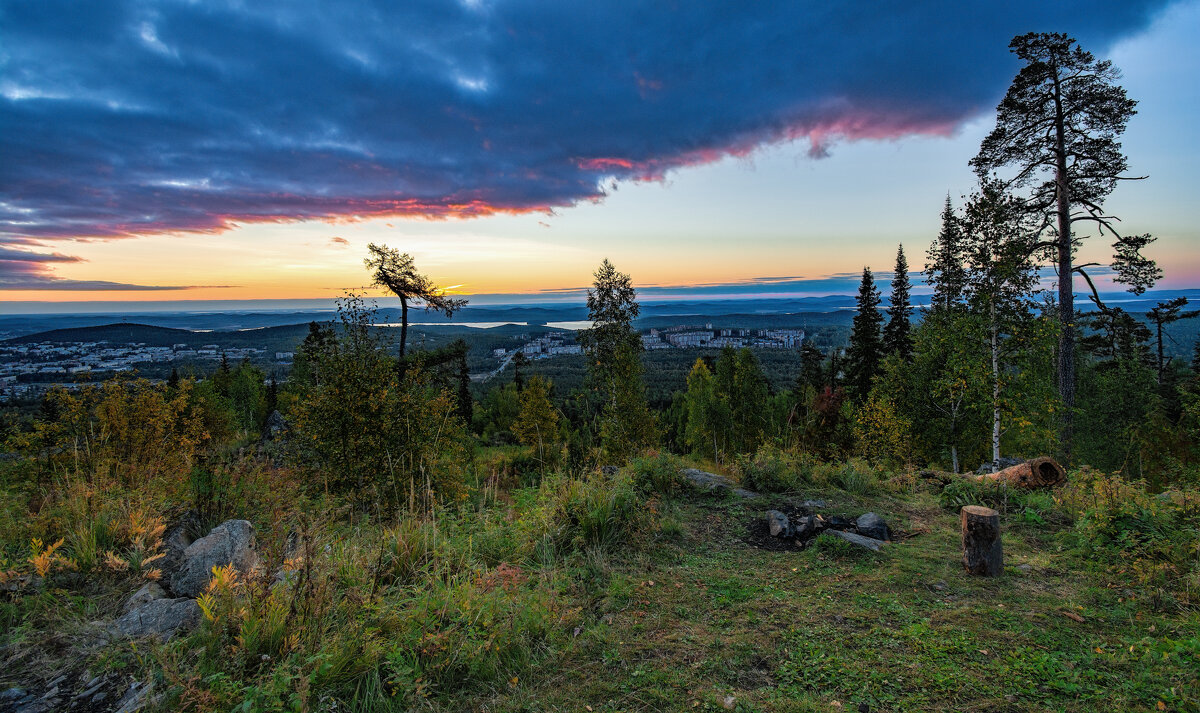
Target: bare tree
395, 271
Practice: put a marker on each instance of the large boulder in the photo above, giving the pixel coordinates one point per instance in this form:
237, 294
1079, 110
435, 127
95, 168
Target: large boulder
231, 542
161, 617
873, 526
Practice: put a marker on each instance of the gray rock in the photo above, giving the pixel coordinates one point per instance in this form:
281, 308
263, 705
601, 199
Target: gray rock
805, 526
1004, 463
778, 523
161, 617
231, 542
714, 482
815, 504
91, 689
135, 699
871, 525
148, 593
275, 428
869, 543
177, 538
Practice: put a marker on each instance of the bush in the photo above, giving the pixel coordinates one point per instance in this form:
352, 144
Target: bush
1032, 506
855, 476
659, 473
770, 470
1155, 539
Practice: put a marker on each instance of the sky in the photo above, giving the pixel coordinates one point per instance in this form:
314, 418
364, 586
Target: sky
180, 150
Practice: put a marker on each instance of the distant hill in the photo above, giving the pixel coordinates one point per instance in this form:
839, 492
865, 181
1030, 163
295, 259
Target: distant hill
284, 338
122, 333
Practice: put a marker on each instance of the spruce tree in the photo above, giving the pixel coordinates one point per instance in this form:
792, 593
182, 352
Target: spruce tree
944, 270
896, 336
866, 345
812, 372
614, 364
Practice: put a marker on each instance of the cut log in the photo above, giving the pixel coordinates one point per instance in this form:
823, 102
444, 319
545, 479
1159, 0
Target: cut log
1044, 472
982, 552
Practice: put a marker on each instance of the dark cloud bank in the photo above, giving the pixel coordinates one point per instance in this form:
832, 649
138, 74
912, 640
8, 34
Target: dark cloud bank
121, 118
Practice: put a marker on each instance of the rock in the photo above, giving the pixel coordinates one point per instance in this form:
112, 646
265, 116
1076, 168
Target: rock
92, 688
712, 482
729, 703
1004, 463
871, 544
839, 522
135, 699
231, 542
178, 536
275, 428
873, 526
778, 523
805, 527
815, 504
148, 593
161, 617
609, 470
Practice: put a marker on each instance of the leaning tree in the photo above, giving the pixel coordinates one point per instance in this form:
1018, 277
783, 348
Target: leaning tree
1056, 134
395, 271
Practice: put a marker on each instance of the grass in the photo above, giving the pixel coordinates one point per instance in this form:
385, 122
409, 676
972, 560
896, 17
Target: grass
605, 595
687, 623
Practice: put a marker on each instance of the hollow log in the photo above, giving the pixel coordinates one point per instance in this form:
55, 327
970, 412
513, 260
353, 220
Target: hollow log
982, 552
1044, 472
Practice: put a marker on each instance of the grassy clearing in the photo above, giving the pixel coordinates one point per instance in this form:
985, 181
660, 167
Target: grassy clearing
701, 617
629, 592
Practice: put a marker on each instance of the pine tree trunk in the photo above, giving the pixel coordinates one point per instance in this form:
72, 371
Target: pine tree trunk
403, 324
982, 552
1161, 365
995, 344
1066, 277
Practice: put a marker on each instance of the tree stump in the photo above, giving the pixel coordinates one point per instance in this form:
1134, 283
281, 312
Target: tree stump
982, 553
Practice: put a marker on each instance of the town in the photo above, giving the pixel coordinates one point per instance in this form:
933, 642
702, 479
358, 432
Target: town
28, 369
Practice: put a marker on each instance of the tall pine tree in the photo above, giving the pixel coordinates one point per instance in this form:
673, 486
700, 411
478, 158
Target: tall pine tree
944, 270
896, 336
866, 345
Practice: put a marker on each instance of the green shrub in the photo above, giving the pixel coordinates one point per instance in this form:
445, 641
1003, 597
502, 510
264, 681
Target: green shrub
855, 476
658, 473
770, 470
1154, 539
1029, 506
